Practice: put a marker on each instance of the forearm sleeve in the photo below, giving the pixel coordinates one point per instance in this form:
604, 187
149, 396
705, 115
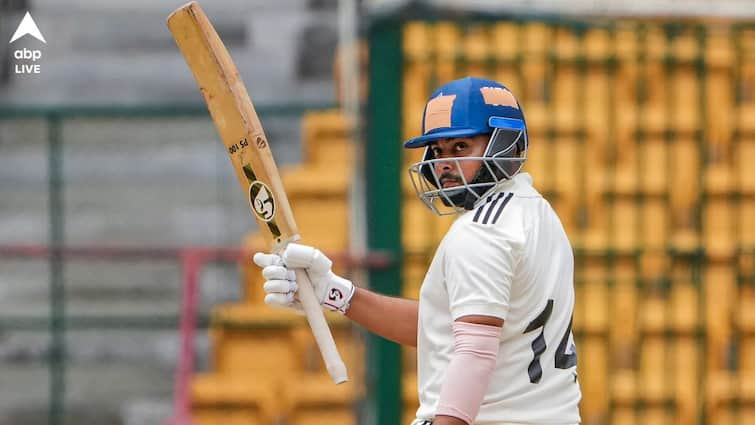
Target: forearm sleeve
468, 374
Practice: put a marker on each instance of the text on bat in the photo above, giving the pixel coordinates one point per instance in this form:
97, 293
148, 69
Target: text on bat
238, 146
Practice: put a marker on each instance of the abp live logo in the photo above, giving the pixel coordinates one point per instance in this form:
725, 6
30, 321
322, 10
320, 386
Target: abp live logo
27, 57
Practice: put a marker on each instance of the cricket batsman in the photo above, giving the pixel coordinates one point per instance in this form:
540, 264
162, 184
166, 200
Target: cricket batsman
492, 326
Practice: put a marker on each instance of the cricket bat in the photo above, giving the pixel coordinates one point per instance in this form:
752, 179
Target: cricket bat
240, 130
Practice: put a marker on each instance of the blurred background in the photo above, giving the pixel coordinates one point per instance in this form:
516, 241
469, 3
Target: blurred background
126, 294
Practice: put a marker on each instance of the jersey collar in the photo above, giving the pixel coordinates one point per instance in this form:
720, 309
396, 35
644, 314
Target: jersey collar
520, 185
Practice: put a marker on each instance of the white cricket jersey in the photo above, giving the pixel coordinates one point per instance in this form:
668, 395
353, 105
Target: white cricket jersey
509, 258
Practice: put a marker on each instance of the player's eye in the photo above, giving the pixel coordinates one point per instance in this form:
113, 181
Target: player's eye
460, 146
435, 151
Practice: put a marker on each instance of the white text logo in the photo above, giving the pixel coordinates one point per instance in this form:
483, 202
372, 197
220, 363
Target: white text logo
27, 57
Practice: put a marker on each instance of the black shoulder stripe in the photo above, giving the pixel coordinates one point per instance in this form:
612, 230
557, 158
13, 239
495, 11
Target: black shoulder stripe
485, 207
502, 206
480, 208
491, 207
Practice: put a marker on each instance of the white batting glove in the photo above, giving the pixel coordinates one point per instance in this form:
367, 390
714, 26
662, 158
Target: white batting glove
332, 291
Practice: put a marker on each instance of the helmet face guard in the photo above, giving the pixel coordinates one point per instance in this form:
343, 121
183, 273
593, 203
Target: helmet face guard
503, 158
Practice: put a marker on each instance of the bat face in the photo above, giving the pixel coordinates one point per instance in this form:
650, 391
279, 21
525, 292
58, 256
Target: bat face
236, 121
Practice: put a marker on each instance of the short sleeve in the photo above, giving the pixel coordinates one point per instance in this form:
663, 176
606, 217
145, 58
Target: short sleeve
479, 265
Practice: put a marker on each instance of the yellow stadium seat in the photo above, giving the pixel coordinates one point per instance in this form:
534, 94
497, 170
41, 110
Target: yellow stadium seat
227, 416
624, 331
746, 156
505, 39
623, 387
625, 224
315, 400
719, 47
684, 175
595, 301
625, 41
566, 170
720, 115
416, 38
595, 112
567, 45
476, 43
537, 162
536, 38
593, 367
323, 221
719, 231
653, 313
686, 314
719, 390
654, 156
326, 138
719, 178
253, 339
656, 416
416, 90
625, 86
686, 95
747, 106
566, 98
597, 44
720, 283
654, 114
324, 415
625, 178
655, 223
536, 111
653, 381
218, 399
685, 47
687, 358
655, 42
446, 36
623, 416
746, 325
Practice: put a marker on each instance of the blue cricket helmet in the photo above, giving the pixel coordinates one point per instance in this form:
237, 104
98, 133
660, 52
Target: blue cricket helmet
467, 107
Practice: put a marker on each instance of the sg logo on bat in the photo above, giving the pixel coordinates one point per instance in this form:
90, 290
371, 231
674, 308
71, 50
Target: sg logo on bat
261, 200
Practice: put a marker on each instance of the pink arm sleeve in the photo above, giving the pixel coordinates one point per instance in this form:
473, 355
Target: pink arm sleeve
468, 374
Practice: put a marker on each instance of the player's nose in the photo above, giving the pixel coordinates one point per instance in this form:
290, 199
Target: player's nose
443, 166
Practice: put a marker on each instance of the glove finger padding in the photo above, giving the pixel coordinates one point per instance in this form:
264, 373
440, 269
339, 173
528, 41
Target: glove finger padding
278, 272
280, 300
280, 287
263, 260
303, 256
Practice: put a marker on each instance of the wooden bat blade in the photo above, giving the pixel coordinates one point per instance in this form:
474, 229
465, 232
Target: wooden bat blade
240, 130
236, 121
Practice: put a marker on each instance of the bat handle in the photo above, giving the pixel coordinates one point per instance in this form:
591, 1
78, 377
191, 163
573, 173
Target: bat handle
320, 329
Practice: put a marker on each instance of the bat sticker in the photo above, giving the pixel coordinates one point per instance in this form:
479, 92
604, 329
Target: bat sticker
261, 201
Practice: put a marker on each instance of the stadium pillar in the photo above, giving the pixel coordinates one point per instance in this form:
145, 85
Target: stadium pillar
383, 163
